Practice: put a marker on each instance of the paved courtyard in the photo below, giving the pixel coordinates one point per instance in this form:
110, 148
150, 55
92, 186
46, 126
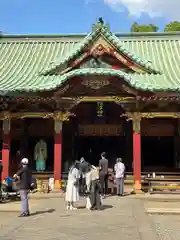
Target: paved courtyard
122, 218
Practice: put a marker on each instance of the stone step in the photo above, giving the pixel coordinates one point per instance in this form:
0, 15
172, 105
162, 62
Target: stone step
163, 211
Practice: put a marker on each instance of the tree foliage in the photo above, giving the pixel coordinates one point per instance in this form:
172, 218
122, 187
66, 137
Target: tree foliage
143, 27
172, 27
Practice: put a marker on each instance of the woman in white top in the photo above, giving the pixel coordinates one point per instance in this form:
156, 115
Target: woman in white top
72, 189
119, 169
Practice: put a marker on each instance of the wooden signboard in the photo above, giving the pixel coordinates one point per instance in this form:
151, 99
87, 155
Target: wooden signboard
17, 129
101, 130
157, 128
41, 128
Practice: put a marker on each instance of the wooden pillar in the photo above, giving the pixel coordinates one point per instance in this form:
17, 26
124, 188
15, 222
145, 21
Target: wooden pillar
6, 147
137, 152
57, 154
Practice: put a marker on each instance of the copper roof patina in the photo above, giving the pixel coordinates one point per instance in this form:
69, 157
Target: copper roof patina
24, 59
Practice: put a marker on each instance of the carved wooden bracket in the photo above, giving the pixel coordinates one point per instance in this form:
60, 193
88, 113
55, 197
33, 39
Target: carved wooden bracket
6, 126
61, 116
136, 125
5, 115
135, 117
136, 121
148, 115
57, 126
160, 114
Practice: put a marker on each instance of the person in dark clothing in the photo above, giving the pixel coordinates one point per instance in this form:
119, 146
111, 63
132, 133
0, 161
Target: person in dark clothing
93, 201
103, 173
84, 166
24, 175
1, 169
94, 195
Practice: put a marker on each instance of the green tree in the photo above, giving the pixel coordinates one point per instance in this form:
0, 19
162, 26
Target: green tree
172, 27
143, 27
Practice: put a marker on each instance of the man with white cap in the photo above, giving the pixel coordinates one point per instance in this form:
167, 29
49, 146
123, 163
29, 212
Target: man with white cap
24, 175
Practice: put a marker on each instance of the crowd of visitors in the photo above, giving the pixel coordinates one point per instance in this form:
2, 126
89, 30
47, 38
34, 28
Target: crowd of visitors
83, 178
93, 181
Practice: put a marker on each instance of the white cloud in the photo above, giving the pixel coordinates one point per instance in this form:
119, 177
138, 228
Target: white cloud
154, 8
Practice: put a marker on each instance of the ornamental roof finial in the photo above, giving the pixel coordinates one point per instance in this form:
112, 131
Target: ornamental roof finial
101, 20
99, 25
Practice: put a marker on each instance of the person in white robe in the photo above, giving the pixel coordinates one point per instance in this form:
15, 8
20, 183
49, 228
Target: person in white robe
72, 188
119, 170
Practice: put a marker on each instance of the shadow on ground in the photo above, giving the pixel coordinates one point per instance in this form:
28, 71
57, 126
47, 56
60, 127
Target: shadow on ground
104, 207
43, 212
114, 195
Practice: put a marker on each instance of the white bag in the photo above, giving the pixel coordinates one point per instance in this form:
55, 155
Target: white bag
88, 203
51, 183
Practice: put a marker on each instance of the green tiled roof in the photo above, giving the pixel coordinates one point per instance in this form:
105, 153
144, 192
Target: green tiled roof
24, 58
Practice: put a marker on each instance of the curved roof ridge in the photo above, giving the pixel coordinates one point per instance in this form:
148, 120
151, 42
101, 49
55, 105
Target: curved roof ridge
117, 34
114, 40
144, 82
131, 79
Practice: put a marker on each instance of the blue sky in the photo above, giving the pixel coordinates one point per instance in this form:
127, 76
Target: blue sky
72, 16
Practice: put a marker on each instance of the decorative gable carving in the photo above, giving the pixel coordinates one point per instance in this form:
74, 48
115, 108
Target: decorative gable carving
101, 41
97, 51
95, 63
95, 83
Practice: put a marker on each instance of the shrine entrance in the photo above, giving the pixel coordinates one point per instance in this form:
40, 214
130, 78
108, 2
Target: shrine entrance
100, 128
91, 148
158, 145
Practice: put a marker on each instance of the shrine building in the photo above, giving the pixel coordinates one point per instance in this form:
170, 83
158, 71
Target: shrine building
85, 94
